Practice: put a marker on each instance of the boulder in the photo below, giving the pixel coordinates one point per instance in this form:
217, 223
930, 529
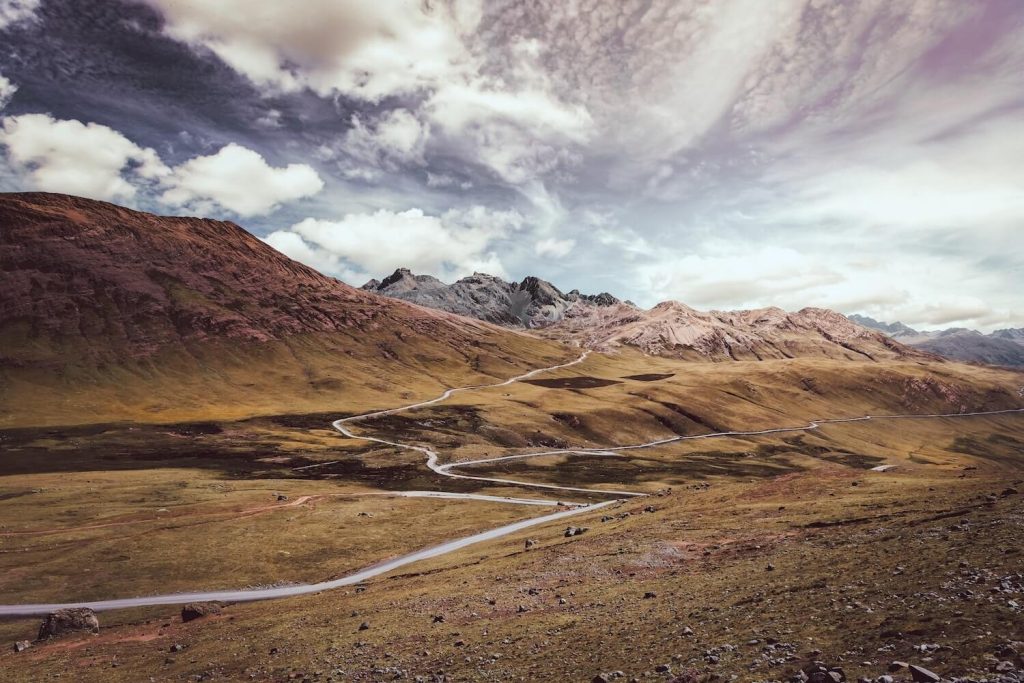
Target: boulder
198, 610
22, 645
923, 675
71, 620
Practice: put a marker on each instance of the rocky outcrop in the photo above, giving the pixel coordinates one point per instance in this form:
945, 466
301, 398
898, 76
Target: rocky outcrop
71, 620
198, 610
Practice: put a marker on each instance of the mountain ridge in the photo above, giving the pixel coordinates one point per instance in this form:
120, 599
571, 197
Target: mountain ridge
1002, 347
671, 328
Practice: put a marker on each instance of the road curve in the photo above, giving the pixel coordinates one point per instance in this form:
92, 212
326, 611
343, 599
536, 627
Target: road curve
445, 470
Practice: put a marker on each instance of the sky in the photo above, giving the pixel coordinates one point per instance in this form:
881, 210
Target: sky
862, 156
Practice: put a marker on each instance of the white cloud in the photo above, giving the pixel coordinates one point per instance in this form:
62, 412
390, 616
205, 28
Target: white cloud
239, 180
395, 139
368, 50
553, 247
513, 122
90, 160
448, 246
14, 11
7, 90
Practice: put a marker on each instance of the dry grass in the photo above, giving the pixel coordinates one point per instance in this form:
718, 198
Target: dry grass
862, 560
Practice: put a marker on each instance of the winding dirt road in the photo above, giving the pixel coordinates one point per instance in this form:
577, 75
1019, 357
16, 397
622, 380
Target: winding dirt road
343, 426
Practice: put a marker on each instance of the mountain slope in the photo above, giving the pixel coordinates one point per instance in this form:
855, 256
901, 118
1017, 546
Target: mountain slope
146, 314
673, 329
1002, 347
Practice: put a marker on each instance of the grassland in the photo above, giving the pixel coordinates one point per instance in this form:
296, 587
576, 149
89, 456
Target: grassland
790, 539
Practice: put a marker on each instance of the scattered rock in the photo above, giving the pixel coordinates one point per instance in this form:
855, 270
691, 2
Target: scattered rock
22, 645
922, 675
69, 620
663, 668
530, 542
198, 610
282, 497
1009, 491
438, 619
364, 626
177, 647
575, 531
650, 594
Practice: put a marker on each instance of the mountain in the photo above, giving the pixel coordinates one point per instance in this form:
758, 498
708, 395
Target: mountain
1002, 347
669, 329
106, 311
530, 303
895, 330
675, 330
1014, 335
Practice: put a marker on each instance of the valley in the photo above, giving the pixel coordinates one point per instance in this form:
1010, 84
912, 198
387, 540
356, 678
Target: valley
356, 487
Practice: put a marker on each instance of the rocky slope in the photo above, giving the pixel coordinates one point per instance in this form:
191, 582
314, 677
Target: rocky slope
530, 303
673, 329
88, 289
1002, 347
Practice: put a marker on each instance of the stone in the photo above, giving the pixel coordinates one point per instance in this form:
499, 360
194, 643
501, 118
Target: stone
530, 542
198, 610
177, 647
923, 675
22, 645
364, 626
70, 620
650, 594
438, 619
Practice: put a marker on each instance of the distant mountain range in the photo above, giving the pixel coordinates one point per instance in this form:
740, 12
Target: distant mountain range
670, 329
1002, 347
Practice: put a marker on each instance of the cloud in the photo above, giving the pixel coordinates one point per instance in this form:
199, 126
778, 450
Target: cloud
7, 90
239, 180
448, 246
16, 11
367, 50
90, 160
554, 248
511, 122
395, 139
